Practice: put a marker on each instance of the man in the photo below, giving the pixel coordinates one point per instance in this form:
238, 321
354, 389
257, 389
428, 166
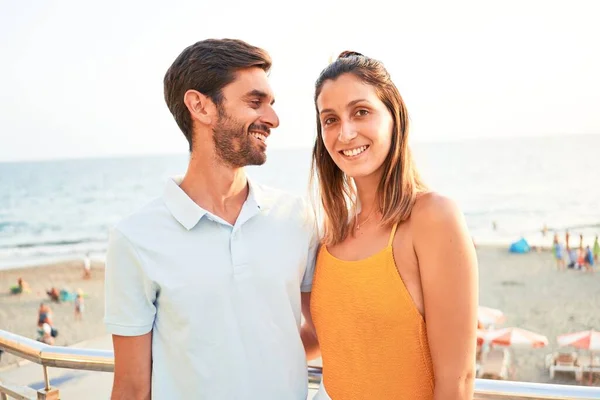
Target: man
87, 266
203, 285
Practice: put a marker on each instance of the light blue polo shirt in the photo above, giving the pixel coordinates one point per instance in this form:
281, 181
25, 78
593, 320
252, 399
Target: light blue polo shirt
223, 301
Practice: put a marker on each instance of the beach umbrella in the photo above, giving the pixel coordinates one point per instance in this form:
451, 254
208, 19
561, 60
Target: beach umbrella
588, 340
515, 337
481, 336
489, 316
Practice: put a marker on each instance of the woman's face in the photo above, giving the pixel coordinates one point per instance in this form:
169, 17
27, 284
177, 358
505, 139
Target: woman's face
356, 125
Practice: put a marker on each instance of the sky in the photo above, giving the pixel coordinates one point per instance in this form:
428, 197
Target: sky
84, 79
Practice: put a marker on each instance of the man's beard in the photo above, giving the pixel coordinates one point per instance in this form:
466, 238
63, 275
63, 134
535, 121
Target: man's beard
233, 143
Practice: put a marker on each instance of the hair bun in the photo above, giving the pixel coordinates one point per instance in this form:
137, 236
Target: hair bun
349, 53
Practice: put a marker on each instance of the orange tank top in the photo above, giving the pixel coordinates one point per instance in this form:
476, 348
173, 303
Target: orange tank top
372, 337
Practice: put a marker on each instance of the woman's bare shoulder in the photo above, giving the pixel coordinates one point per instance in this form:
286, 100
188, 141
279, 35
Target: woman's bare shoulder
433, 209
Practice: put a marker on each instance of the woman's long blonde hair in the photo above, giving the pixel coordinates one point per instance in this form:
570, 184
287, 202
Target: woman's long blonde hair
400, 182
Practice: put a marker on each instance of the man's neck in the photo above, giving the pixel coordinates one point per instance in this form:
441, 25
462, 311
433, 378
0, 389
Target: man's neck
217, 188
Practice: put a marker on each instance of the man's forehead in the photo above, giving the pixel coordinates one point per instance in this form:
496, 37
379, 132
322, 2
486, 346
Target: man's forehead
248, 80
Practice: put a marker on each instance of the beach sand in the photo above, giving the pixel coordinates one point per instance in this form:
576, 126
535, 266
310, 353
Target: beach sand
527, 288
18, 313
535, 296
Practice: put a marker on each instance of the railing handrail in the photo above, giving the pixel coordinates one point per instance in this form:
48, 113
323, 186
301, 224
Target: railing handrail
57, 356
103, 360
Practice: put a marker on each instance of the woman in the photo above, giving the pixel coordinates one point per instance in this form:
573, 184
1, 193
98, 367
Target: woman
558, 253
394, 300
44, 315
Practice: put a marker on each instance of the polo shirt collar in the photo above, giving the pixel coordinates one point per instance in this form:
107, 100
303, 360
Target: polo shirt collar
188, 213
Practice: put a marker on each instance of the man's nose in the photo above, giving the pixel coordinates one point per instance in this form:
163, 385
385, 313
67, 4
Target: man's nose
270, 117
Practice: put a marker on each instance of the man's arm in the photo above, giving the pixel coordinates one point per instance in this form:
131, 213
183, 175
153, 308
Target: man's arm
130, 311
133, 367
307, 332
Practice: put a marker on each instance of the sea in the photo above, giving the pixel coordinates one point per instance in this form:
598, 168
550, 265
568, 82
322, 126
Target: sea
507, 188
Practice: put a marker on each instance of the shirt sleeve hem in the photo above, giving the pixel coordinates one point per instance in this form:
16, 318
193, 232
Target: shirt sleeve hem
306, 288
124, 330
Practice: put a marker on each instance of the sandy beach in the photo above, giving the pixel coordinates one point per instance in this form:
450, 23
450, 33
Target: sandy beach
535, 296
527, 288
18, 313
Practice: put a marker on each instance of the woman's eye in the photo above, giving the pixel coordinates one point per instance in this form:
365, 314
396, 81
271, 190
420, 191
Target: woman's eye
362, 113
329, 121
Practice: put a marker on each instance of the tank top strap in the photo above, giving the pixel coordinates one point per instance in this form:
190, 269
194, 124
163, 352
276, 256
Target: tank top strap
392, 234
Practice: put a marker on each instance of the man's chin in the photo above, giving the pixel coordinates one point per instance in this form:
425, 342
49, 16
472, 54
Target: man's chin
257, 161
253, 159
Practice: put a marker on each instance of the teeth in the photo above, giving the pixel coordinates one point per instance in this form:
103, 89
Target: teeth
354, 152
259, 136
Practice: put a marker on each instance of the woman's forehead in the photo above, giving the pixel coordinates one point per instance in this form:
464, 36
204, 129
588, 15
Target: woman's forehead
344, 90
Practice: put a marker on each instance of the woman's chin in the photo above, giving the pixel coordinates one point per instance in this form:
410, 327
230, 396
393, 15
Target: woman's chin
365, 171
359, 173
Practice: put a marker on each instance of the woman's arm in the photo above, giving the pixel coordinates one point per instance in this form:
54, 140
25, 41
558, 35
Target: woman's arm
449, 278
308, 333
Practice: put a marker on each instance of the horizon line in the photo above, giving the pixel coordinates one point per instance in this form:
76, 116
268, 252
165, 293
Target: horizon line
279, 148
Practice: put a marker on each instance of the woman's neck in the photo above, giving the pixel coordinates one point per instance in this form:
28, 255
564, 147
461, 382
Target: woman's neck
366, 192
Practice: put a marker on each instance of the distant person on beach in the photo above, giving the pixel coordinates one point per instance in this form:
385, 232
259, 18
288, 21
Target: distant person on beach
596, 250
567, 237
573, 259
558, 253
588, 259
87, 266
21, 287
395, 291
45, 320
79, 306
44, 315
54, 294
206, 286
580, 258
46, 335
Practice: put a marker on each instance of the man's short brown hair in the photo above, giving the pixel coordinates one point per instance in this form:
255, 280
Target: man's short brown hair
208, 66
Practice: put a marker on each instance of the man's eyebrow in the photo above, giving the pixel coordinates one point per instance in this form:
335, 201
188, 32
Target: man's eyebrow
259, 93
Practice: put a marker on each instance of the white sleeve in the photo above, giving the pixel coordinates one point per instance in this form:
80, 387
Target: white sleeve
313, 247
129, 294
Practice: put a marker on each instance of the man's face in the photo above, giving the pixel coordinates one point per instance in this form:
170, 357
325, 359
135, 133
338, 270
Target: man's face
246, 117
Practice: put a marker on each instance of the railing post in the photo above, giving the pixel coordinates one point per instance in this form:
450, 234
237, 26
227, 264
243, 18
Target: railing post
46, 378
48, 394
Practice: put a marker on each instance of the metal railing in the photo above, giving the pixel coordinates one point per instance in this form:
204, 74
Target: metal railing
103, 360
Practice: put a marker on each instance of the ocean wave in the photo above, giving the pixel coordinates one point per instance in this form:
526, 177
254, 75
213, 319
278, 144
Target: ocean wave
583, 226
51, 243
12, 226
19, 255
